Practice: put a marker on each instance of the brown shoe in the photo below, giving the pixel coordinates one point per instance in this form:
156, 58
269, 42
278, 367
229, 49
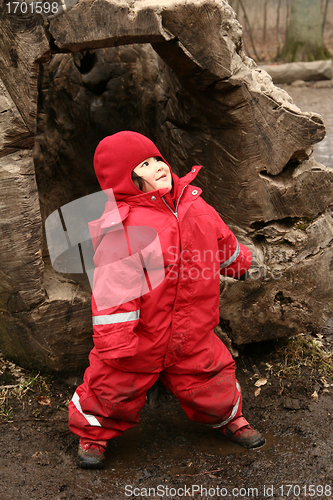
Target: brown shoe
91, 454
240, 432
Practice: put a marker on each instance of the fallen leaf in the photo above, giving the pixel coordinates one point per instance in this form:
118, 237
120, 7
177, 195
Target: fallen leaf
257, 392
314, 396
269, 367
260, 382
43, 400
324, 382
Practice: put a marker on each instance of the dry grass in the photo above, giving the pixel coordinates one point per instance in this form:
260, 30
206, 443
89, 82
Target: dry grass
15, 382
301, 353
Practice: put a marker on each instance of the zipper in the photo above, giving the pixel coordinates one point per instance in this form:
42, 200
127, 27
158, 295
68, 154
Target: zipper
175, 213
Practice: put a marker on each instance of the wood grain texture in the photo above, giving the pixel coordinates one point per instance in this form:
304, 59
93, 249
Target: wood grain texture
14, 134
22, 45
107, 23
291, 288
54, 336
21, 234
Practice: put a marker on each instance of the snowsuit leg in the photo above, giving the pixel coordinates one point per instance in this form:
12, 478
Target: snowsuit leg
205, 383
109, 401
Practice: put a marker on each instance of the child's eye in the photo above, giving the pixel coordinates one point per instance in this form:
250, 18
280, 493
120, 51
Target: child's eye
158, 158
145, 164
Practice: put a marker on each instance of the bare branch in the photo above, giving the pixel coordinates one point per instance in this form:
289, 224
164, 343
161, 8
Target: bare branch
249, 28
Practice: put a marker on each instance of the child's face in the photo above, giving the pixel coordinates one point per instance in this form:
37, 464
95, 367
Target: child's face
155, 174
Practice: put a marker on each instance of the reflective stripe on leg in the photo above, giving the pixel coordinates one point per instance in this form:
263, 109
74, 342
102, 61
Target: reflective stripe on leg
233, 413
90, 418
111, 319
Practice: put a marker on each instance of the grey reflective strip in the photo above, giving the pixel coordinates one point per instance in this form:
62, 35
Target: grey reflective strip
232, 258
110, 319
233, 413
90, 418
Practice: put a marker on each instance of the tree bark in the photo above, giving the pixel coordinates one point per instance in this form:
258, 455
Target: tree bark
324, 16
195, 93
278, 30
265, 22
304, 37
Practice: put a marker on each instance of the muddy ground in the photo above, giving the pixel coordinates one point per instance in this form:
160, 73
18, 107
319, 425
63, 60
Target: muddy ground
166, 452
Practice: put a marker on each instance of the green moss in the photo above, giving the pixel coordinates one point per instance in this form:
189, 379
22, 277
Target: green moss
304, 223
303, 51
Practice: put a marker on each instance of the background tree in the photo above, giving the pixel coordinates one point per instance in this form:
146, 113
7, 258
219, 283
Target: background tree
304, 38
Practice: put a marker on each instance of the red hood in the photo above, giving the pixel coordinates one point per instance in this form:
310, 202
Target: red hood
115, 158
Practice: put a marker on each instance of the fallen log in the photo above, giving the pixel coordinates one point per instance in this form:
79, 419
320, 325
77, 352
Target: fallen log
306, 71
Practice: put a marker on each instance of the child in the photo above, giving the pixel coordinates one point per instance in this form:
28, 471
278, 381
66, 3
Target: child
147, 327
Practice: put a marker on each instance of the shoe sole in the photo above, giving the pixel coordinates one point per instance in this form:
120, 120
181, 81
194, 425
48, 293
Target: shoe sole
256, 445
85, 464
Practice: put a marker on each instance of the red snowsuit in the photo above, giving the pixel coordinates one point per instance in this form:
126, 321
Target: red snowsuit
168, 331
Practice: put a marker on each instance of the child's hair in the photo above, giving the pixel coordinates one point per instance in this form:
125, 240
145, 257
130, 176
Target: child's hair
138, 181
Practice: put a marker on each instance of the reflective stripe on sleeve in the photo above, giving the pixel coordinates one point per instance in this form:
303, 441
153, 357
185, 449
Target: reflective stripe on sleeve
90, 418
110, 319
233, 413
232, 258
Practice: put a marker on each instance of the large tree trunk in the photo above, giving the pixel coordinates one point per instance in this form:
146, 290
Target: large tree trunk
185, 82
304, 38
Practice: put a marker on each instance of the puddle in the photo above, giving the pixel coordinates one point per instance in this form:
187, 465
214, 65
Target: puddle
175, 452
175, 444
324, 150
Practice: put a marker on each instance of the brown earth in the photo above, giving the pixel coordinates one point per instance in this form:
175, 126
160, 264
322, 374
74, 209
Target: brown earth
294, 410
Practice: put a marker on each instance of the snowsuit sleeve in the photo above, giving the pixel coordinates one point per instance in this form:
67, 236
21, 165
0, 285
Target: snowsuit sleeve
128, 263
235, 258
117, 290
